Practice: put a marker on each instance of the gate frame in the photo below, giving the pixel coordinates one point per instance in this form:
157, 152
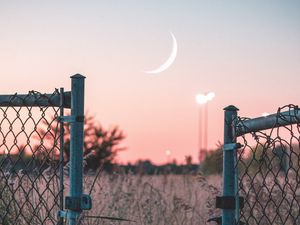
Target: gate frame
76, 201
230, 202
74, 99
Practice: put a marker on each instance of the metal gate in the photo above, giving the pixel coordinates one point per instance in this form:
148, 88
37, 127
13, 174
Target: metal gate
261, 168
32, 161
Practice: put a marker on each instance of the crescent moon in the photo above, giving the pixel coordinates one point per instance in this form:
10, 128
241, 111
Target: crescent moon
169, 61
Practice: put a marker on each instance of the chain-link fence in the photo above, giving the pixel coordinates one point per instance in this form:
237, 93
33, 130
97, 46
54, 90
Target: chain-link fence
268, 164
31, 159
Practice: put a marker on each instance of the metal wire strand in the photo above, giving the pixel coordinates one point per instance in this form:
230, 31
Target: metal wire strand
29, 159
269, 169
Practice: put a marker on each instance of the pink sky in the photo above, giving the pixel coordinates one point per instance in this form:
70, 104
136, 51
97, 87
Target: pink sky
247, 53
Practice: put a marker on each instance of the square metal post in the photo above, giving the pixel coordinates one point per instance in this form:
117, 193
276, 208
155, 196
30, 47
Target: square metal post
76, 145
229, 160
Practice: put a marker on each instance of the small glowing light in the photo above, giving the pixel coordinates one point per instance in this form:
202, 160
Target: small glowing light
204, 98
265, 114
201, 99
210, 96
168, 152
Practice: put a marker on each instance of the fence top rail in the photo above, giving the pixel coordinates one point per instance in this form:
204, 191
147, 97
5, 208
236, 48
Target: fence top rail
31, 99
278, 119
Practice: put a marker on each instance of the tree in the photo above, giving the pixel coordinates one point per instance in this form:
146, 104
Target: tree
100, 145
213, 162
145, 167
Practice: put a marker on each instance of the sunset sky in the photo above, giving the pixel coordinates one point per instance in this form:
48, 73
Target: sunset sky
247, 52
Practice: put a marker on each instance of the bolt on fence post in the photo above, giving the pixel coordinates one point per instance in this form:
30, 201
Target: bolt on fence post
229, 176
76, 145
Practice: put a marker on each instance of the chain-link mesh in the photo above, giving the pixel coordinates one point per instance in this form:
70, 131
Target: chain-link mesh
30, 191
269, 168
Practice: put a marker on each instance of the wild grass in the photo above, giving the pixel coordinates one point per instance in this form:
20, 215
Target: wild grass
271, 200
142, 200
149, 200
27, 199
157, 200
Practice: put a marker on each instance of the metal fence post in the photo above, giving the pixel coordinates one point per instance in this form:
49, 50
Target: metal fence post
76, 145
229, 176
61, 155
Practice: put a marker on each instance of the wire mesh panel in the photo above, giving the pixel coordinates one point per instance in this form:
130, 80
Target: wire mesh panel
30, 160
269, 168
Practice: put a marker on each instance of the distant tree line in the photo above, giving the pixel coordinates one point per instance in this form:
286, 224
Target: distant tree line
146, 167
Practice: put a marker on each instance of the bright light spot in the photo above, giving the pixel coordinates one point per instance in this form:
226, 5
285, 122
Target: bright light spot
201, 99
265, 114
168, 152
210, 96
204, 98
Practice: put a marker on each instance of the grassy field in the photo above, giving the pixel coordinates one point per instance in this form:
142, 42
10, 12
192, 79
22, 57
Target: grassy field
144, 200
157, 200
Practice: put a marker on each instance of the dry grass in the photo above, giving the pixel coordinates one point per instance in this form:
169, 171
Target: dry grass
271, 200
164, 199
157, 200
26, 199
145, 200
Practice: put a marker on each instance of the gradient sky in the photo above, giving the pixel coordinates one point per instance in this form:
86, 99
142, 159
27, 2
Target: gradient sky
247, 52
